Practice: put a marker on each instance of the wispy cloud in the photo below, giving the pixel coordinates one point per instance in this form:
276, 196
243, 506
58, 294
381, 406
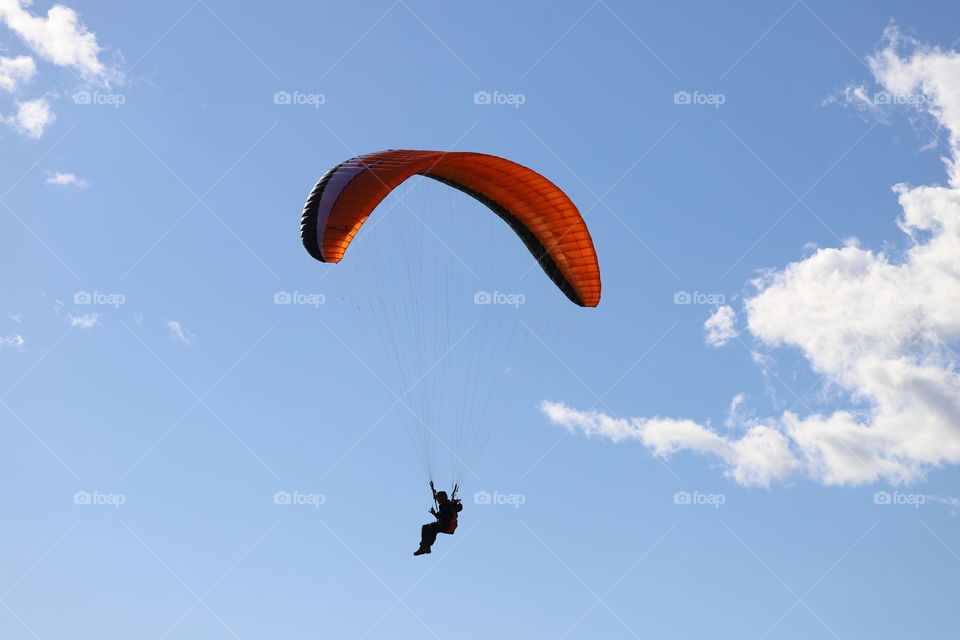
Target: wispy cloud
720, 326
67, 179
949, 501
15, 340
761, 455
180, 333
85, 321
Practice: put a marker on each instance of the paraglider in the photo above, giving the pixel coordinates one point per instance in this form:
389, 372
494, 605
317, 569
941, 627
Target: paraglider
537, 210
445, 518
461, 387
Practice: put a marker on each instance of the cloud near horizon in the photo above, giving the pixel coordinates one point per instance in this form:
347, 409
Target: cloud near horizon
881, 330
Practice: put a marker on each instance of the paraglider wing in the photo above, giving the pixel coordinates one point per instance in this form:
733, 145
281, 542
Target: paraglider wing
537, 210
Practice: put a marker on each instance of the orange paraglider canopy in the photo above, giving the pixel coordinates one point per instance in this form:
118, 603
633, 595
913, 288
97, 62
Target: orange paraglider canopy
537, 210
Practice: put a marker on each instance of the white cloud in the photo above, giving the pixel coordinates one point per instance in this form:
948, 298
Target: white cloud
758, 457
180, 333
15, 340
858, 96
15, 71
949, 501
881, 331
719, 326
59, 38
32, 117
928, 74
67, 179
738, 414
86, 321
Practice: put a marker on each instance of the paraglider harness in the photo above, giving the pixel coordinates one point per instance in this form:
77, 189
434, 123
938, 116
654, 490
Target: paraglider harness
452, 526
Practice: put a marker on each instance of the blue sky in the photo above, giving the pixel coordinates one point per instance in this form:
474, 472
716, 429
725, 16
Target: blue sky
682, 480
